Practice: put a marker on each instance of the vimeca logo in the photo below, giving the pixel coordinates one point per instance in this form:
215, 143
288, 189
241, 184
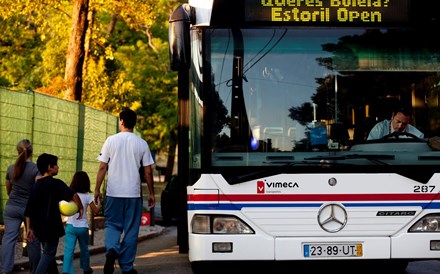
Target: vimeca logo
260, 187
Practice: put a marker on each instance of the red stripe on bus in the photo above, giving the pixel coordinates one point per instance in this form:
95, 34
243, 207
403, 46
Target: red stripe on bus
314, 197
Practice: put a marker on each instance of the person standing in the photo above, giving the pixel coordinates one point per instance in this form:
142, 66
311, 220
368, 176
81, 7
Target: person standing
77, 229
43, 217
20, 177
121, 157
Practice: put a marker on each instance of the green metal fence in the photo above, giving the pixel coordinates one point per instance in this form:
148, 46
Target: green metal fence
70, 130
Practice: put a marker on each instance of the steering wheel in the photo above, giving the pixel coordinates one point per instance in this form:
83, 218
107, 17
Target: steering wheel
399, 134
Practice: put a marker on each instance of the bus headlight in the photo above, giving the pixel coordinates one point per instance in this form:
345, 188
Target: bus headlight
429, 223
219, 224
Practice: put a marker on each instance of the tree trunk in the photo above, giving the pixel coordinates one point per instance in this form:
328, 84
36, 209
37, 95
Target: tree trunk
90, 19
75, 50
111, 26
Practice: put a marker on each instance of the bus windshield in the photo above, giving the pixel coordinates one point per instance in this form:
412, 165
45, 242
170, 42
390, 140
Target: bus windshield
285, 95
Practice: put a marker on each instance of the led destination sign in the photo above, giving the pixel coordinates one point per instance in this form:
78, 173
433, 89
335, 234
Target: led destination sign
327, 11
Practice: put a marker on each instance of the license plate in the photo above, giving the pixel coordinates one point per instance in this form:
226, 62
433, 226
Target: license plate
333, 250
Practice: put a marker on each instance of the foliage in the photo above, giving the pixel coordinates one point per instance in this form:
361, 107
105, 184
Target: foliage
127, 64
18, 56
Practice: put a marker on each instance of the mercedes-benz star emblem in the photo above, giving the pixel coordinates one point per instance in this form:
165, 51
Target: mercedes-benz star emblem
332, 217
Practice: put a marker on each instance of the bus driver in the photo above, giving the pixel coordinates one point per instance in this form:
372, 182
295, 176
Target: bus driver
400, 119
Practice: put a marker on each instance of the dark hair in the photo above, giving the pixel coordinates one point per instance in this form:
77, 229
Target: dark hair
129, 118
24, 149
405, 110
44, 161
80, 182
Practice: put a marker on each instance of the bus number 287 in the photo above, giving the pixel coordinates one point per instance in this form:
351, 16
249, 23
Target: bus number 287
424, 189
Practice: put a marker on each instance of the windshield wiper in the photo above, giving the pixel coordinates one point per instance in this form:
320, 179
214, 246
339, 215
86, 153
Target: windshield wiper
375, 158
274, 170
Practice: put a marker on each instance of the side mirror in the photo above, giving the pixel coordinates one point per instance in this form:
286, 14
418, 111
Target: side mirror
179, 38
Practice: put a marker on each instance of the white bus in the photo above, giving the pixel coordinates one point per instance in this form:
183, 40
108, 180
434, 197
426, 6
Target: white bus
276, 101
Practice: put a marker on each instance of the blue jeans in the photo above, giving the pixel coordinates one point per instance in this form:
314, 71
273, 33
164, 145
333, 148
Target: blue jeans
47, 263
72, 235
13, 216
122, 215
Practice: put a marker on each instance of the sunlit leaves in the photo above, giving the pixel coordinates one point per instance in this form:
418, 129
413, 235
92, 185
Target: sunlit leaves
127, 65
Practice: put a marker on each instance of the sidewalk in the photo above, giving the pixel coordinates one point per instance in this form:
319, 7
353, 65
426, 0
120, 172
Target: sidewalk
145, 232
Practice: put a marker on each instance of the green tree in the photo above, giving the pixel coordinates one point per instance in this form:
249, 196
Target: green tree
125, 57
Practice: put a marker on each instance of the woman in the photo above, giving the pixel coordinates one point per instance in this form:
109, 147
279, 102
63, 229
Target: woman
20, 177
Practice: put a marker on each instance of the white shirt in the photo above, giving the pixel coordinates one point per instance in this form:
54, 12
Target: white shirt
86, 199
385, 127
124, 152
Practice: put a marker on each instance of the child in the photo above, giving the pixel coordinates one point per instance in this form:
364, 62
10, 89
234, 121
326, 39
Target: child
78, 228
43, 217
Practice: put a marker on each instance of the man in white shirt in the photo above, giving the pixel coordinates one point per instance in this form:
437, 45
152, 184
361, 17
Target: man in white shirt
121, 157
400, 119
